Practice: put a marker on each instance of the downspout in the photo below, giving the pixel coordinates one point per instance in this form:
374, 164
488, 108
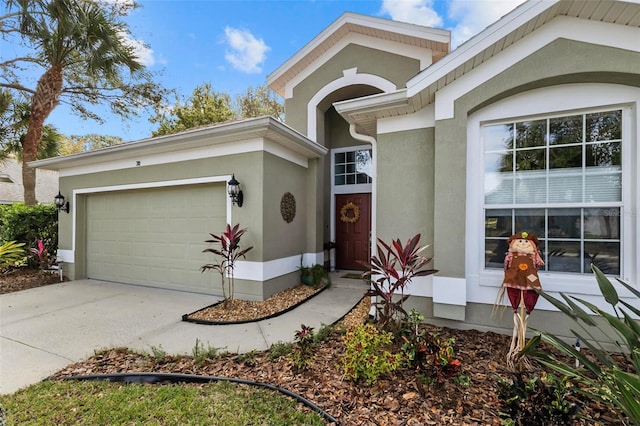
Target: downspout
374, 186
374, 196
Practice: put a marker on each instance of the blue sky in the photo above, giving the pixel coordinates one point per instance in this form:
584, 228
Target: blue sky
235, 44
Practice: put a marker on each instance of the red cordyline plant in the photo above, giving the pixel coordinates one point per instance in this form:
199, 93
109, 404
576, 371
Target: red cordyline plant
389, 273
228, 253
41, 254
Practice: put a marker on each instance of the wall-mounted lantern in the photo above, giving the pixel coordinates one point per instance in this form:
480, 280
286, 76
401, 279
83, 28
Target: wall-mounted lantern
233, 186
60, 202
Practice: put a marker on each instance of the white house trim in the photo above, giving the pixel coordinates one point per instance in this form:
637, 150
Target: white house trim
69, 255
212, 151
598, 33
421, 119
421, 54
350, 77
546, 101
492, 34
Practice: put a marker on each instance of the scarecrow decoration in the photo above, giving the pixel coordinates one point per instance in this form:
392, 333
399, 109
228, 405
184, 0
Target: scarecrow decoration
520, 281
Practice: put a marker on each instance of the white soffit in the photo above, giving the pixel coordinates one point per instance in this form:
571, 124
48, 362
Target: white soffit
208, 141
436, 40
511, 28
489, 43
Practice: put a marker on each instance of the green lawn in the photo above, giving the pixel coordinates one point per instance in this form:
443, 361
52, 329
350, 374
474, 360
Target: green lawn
105, 403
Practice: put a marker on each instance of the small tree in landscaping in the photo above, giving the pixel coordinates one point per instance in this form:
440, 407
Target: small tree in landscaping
389, 273
228, 253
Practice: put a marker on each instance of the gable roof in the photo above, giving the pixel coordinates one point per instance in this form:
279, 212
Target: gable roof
516, 25
437, 40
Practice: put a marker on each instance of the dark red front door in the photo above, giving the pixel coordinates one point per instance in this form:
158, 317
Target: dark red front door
352, 235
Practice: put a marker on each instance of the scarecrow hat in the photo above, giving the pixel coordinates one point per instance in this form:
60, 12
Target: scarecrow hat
524, 236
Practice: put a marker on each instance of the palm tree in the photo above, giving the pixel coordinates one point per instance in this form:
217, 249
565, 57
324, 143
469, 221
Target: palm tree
14, 122
82, 46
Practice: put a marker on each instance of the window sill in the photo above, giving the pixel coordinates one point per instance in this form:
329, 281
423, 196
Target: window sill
551, 282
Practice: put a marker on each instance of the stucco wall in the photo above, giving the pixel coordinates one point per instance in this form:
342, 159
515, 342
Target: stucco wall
395, 68
405, 188
248, 169
561, 62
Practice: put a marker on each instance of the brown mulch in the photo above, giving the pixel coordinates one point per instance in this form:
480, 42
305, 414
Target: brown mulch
397, 399
244, 310
25, 278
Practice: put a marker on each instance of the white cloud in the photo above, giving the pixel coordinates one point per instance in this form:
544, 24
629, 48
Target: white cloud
142, 52
246, 53
420, 12
471, 17
465, 18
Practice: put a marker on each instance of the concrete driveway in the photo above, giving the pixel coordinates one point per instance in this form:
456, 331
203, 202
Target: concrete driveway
44, 329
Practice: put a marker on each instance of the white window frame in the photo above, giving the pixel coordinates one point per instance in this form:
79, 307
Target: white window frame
542, 103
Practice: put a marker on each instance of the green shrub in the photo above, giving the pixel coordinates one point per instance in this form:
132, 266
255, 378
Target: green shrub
279, 349
314, 276
28, 224
535, 400
613, 381
367, 356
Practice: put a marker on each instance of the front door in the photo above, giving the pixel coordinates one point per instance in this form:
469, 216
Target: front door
353, 230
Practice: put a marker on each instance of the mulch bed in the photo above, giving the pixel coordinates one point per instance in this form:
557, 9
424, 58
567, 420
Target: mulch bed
25, 278
238, 311
397, 399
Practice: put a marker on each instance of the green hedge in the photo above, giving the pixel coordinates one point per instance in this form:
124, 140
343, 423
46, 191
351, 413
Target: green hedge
27, 224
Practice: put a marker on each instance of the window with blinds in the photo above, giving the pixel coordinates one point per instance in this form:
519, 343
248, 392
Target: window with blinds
560, 178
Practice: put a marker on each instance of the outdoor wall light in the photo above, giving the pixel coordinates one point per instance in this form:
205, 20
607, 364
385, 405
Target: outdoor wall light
59, 200
233, 187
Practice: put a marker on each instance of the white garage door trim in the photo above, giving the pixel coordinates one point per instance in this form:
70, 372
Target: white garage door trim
68, 256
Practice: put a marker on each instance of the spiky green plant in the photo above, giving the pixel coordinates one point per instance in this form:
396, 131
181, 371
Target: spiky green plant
11, 254
614, 381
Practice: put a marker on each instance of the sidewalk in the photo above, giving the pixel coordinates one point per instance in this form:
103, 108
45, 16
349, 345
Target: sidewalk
47, 328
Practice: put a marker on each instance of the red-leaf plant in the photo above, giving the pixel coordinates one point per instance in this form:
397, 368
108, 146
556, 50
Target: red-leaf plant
228, 253
41, 254
389, 273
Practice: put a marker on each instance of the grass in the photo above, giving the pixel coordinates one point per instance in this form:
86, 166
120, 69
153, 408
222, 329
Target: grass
105, 403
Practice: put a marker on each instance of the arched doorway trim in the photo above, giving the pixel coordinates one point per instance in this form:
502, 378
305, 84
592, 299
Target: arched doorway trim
349, 77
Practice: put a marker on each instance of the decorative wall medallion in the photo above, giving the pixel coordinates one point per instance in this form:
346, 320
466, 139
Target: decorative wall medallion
349, 213
288, 207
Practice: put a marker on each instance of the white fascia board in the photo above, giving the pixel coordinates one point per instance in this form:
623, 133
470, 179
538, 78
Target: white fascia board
165, 158
373, 103
232, 148
421, 119
263, 133
507, 24
412, 30
597, 33
421, 54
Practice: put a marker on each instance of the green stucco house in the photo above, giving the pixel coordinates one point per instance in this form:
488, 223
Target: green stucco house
530, 125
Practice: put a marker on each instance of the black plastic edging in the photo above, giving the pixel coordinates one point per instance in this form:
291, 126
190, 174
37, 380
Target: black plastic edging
350, 309
154, 378
186, 318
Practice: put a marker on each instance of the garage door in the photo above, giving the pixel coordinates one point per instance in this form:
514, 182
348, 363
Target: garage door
155, 236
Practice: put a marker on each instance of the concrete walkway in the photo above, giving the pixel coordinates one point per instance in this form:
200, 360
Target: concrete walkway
47, 328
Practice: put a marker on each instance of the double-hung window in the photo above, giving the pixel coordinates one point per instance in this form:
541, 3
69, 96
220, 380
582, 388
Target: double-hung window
559, 177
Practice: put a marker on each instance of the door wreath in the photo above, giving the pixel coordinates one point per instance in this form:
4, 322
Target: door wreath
345, 213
